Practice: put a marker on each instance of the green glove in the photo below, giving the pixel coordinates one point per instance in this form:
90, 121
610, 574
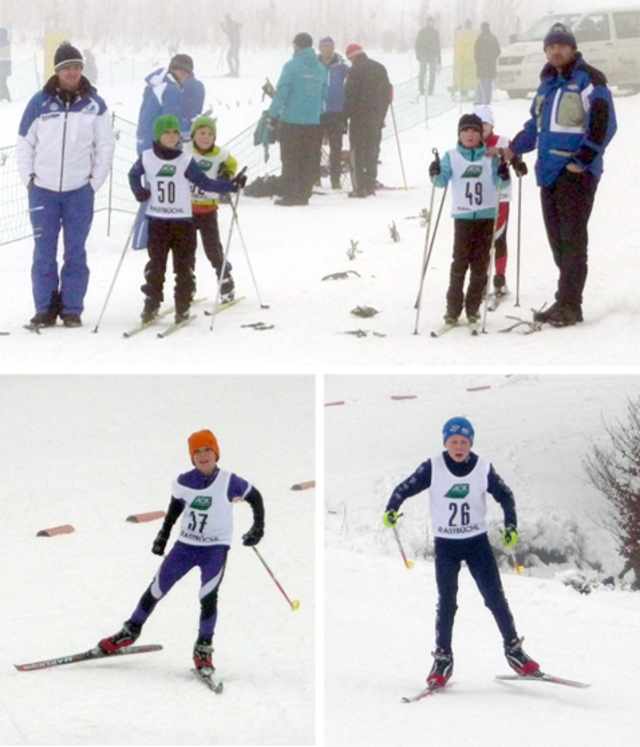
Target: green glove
510, 536
390, 518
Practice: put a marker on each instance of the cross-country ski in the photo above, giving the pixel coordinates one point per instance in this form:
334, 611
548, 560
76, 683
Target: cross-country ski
541, 677
90, 655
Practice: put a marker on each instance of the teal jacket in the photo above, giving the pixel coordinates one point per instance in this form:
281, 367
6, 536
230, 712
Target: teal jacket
301, 90
444, 177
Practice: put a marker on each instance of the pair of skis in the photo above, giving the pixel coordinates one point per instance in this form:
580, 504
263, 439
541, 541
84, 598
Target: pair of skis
176, 325
494, 300
537, 677
205, 676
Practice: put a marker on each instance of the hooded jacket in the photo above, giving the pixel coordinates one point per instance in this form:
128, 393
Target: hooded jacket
301, 90
337, 71
65, 140
162, 95
572, 121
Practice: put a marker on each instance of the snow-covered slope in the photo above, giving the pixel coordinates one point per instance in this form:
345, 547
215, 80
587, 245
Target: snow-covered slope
379, 617
92, 451
310, 324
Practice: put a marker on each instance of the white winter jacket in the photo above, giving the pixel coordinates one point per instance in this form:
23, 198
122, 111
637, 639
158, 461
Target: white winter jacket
63, 145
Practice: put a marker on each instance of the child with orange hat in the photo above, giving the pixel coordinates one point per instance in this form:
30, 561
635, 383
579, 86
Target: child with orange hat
203, 497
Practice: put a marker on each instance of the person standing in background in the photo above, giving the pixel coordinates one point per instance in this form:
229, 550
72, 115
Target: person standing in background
232, 29
297, 105
428, 55
486, 52
5, 63
332, 120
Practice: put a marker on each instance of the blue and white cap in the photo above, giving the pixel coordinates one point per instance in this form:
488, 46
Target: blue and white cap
457, 427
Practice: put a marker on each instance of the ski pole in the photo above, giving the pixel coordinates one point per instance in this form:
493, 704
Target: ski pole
492, 258
246, 254
517, 303
408, 563
395, 127
425, 253
293, 604
225, 261
124, 251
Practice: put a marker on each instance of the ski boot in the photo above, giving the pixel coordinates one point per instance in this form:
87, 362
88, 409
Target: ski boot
441, 670
559, 315
71, 320
150, 310
500, 285
227, 289
202, 657
517, 659
130, 632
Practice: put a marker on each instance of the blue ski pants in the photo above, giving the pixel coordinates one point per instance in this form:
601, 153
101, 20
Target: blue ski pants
478, 555
73, 213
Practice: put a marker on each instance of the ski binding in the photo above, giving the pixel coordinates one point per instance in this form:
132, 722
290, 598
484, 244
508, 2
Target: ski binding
207, 677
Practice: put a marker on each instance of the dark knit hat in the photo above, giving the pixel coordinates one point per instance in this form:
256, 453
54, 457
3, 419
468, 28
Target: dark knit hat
164, 123
303, 40
471, 121
457, 427
181, 62
560, 34
67, 55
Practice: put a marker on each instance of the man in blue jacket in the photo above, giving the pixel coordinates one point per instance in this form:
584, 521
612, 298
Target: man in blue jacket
64, 153
572, 122
297, 104
332, 119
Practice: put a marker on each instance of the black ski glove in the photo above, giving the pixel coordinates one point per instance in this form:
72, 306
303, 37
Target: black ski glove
143, 195
434, 167
253, 536
519, 166
240, 179
503, 171
160, 542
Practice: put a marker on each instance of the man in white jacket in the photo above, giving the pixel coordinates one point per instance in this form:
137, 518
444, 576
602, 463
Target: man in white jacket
65, 149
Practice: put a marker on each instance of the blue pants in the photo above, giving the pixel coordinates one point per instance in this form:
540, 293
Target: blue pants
477, 553
73, 212
180, 560
485, 89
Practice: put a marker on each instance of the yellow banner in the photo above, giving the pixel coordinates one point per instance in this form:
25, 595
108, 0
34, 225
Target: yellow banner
52, 40
464, 64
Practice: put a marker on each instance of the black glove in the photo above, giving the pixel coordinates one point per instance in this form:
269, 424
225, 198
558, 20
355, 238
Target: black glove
240, 180
253, 536
519, 166
268, 89
143, 195
224, 173
434, 167
160, 542
503, 171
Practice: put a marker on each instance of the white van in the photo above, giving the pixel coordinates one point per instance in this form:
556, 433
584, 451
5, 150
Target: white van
608, 39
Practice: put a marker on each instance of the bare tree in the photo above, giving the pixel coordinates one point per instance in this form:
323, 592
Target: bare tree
614, 470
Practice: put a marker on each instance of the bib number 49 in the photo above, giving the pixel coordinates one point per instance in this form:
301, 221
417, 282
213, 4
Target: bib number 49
475, 195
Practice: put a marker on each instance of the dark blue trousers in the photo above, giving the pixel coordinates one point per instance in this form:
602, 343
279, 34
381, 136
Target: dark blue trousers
478, 555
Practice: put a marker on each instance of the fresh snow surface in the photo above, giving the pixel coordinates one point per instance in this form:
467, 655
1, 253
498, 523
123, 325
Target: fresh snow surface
291, 250
103, 449
379, 616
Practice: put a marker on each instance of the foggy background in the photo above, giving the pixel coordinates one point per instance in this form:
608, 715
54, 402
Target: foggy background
152, 25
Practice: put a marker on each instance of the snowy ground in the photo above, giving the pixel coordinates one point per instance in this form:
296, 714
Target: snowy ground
103, 449
379, 616
311, 327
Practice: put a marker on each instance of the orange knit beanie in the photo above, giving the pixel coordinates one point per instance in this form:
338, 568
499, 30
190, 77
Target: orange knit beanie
203, 438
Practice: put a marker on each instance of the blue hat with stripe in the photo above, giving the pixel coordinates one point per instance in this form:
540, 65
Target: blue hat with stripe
457, 427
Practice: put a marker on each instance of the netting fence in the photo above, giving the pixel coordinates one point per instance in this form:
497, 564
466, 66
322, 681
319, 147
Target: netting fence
115, 195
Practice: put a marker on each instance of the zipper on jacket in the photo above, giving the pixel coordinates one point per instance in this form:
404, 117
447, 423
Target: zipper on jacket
64, 142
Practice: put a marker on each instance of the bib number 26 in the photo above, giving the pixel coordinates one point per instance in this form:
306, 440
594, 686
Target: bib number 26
463, 510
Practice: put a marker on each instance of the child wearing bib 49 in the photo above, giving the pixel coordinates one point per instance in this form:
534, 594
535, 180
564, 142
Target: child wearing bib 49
458, 480
475, 178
